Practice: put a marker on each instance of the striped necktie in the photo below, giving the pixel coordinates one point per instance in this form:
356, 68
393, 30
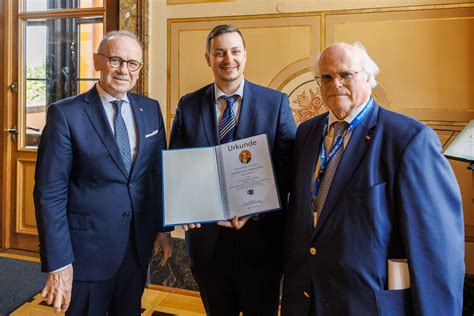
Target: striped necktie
227, 128
121, 135
320, 199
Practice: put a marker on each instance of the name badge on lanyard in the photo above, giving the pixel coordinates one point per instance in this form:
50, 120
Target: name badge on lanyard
324, 157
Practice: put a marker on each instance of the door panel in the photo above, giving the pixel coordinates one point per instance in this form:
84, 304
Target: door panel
51, 58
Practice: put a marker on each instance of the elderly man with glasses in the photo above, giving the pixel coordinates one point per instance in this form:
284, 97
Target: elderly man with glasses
98, 189
370, 186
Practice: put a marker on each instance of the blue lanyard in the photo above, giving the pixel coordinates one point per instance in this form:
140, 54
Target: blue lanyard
323, 156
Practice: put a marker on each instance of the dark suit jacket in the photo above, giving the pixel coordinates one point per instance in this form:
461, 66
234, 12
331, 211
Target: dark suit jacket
263, 110
84, 200
394, 195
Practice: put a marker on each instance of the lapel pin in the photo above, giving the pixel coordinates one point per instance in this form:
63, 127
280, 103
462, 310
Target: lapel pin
369, 135
141, 109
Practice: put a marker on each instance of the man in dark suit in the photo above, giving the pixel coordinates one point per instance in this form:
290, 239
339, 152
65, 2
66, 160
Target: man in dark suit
381, 190
237, 264
98, 189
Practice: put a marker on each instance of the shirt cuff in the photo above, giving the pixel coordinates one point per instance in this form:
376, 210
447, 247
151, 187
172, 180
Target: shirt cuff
61, 269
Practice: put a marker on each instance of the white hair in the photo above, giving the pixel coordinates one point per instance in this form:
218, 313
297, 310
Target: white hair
368, 64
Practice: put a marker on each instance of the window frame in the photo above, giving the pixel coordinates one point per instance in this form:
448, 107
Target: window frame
108, 13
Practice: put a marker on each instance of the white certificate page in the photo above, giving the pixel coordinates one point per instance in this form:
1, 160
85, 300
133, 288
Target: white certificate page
463, 146
191, 192
249, 178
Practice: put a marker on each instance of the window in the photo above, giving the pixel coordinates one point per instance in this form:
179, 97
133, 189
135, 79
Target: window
43, 5
57, 41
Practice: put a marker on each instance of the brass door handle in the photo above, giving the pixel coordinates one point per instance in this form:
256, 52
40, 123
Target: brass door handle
13, 131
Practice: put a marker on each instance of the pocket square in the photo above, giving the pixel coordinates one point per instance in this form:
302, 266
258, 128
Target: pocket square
151, 134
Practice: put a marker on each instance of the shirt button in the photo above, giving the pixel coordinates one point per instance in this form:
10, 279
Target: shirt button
130, 185
312, 251
125, 215
306, 294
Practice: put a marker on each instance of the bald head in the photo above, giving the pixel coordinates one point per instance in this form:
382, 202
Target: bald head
347, 75
340, 53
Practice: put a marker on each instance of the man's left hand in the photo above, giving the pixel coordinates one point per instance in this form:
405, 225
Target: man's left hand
164, 245
58, 289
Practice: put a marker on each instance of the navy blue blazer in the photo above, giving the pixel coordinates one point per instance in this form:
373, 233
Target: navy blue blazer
263, 111
83, 196
394, 195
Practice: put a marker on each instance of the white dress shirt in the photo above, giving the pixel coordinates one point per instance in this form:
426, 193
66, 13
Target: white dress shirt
221, 105
127, 115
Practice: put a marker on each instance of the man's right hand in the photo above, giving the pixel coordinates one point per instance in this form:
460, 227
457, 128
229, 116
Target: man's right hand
190, 226
58, 289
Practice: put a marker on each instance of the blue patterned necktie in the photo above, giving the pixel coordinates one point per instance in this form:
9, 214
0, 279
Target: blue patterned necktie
121, 135
318, 203
227, 128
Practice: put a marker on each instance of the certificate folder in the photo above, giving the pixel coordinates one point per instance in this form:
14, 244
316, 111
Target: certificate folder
217, 183
462, 148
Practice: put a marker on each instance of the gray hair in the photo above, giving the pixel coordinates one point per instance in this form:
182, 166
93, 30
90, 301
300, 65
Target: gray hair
113, 34
368, 64
221, 29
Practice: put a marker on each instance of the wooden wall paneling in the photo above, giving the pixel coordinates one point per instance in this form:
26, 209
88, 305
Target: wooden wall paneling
289, 41
24, 233
25, 222
174, 2
425, 60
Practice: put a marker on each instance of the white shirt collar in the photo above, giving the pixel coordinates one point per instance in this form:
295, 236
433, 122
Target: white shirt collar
240, 91
107, 98
350, 117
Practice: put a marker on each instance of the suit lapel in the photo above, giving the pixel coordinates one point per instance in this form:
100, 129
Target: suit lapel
208, 115
350, 160
140, 125
96, 113
248, 113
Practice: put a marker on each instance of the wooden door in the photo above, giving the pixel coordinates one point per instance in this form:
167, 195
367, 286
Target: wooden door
49, 58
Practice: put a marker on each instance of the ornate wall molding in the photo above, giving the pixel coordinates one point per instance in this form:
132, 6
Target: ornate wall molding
134, 18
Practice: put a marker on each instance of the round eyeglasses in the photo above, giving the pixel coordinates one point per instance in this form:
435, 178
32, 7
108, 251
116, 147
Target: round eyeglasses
117, 62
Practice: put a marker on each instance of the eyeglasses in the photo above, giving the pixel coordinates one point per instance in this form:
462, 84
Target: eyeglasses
344, 77
117, 62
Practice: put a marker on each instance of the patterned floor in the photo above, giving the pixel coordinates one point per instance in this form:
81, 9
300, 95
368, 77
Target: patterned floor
154, 303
